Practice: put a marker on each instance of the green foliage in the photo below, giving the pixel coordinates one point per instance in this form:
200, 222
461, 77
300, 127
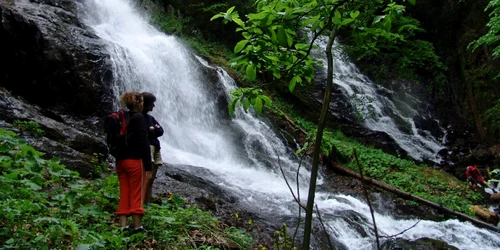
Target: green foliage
46, 206
99, 165
247, 97
389, 49
419, 180
493, 35
282, 240
492, 116
29, 126
172, 24
183, 28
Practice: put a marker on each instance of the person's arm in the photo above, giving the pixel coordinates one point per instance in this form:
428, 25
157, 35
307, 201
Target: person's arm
158, 129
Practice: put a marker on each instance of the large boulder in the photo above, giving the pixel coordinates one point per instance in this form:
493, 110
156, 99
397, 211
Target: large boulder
51, 59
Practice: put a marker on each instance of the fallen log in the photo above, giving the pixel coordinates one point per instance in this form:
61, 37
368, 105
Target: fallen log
485, 214
409, 196
495, 197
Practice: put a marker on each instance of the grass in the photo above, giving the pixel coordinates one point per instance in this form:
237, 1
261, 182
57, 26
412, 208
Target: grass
418, 179
44, 205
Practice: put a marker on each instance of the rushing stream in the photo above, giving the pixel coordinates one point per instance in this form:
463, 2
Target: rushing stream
243, 153
382, 109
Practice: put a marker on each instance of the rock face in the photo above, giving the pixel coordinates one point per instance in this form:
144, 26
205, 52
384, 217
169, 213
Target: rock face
54, 73
52, 59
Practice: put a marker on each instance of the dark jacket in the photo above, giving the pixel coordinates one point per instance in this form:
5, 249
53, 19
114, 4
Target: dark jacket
137, 141
156, 132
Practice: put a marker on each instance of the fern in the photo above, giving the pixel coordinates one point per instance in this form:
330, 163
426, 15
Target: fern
492, 116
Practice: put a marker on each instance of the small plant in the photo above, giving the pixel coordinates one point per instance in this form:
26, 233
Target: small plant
46, 206
282, 240
99, 166
28, 126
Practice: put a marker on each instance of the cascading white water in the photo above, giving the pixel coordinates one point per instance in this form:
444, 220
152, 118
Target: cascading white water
147, 60
379, 111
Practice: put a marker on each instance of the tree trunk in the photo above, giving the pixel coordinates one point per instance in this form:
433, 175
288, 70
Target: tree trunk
317, 142
409, 196
475, 111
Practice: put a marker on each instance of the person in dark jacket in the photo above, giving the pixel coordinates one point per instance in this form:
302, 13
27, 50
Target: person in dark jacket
154, 131
133, 165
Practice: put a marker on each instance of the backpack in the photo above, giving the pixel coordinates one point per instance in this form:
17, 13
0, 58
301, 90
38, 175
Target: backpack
115, 128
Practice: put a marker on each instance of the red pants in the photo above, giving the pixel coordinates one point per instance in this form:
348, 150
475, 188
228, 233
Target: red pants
132, 186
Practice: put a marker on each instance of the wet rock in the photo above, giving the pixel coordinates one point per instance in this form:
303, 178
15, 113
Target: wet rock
420, 244
48, 51
75, 144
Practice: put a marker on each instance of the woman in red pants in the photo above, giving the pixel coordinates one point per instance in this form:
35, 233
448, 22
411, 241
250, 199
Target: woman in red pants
133, 164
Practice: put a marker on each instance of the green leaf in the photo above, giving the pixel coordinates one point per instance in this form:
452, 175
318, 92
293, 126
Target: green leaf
232, 105
240, 45
272, 58
301, 46
412, 2
258, 16
258, 105
282, 37
354, 14
230, 10
277, 74
31, 185
291, 85
377, 19
83, 247
237, 20
311, 20
246, 105
337, 18
273, 35
267, 100
217, 16
289, 38
251, 72
346, 21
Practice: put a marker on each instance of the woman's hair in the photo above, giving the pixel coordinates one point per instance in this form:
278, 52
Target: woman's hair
148, 98
133, 100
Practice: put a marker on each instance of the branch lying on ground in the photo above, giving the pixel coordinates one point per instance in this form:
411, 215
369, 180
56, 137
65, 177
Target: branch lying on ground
409, 196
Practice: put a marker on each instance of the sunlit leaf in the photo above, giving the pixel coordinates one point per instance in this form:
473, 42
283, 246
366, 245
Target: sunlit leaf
251, 72
230, 10
337, 18
240, 45
282, 39
258, 105
246, 105
377, 19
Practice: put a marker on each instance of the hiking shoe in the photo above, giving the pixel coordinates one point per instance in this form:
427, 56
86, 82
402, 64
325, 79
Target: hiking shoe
138, 230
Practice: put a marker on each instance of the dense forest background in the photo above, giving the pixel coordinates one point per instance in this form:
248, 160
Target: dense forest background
459, 82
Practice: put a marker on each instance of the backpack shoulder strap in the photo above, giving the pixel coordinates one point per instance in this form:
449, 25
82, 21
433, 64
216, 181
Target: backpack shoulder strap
124, 118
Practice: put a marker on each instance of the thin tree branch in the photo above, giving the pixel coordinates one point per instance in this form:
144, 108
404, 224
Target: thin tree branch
288, 184
323, 226
402, 232
365, 190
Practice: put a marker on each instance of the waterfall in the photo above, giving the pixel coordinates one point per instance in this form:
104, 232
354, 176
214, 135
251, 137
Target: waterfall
382, 109
244, 152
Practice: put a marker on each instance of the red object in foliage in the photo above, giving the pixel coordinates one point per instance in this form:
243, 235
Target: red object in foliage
472, 171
